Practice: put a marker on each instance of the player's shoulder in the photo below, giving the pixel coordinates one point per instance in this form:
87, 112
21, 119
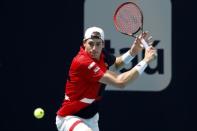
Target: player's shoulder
82, 60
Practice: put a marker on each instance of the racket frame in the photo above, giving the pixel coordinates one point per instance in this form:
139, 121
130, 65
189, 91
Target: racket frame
140, 28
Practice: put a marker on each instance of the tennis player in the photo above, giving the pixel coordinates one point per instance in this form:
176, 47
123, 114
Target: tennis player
88, 76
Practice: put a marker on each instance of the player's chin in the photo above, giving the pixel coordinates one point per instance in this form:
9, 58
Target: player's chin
94, 56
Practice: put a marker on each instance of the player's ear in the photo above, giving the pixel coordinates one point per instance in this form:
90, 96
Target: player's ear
84, 42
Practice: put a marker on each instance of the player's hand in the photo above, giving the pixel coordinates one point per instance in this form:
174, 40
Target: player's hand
147, 37
137, 46
150, 54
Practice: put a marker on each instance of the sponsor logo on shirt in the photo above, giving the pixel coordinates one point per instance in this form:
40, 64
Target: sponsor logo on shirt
91, 65
96, 69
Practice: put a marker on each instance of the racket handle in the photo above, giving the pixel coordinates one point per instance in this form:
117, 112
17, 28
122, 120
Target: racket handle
145, 44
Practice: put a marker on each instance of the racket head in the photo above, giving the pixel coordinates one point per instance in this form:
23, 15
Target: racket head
128, 18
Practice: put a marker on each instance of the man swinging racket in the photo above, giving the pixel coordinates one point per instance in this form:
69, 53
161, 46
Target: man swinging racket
88, 76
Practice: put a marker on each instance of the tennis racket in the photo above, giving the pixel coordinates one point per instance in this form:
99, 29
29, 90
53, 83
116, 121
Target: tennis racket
128, 19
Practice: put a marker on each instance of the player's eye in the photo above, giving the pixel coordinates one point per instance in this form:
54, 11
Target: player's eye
98, 43
91, 43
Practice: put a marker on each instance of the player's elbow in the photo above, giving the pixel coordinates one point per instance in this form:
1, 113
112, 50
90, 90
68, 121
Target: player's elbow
120, 84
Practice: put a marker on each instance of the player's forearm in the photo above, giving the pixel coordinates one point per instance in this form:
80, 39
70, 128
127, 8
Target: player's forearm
128, 77
125, 78
120, 80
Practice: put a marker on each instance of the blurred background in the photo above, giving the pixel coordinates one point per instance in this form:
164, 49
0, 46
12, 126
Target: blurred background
38, 40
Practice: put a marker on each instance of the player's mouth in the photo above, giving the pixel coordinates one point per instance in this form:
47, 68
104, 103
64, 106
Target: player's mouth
93, 54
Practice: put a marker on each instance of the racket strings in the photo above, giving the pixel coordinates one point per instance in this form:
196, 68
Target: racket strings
128, 19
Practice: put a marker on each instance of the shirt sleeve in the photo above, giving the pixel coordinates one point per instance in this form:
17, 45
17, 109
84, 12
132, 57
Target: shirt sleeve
109, 58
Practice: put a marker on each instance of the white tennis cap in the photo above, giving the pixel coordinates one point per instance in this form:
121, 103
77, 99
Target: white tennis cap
94, 32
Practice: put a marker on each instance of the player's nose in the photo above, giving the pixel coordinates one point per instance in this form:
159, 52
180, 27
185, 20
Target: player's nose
94, 47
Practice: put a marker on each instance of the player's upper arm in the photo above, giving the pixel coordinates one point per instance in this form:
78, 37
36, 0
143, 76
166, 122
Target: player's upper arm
120, 80
111, 78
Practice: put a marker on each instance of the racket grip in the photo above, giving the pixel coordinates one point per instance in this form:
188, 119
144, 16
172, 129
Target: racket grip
145, 44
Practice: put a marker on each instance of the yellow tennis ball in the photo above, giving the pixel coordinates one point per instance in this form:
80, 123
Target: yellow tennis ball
39, 113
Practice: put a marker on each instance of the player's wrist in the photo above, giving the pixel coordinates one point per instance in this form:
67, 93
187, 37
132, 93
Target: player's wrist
146, 60
141, 66
127, 57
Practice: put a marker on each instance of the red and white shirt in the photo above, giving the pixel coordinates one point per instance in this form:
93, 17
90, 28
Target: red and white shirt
82, 88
